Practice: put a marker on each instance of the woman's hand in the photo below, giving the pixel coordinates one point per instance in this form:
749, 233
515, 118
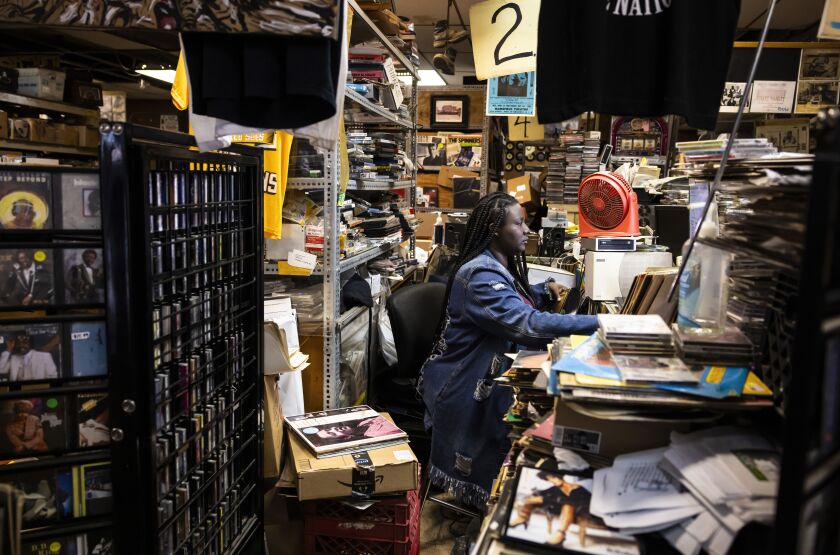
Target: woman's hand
555, 290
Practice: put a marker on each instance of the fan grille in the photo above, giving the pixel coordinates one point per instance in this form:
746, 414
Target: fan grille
602, 201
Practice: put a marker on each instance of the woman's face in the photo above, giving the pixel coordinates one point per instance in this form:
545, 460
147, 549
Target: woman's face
513, 235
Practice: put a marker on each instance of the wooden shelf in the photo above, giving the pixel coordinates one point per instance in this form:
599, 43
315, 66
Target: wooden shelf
49, 105
48, 147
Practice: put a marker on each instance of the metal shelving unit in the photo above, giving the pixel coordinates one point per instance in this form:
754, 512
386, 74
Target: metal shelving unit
90, 114
333, 266
49, 147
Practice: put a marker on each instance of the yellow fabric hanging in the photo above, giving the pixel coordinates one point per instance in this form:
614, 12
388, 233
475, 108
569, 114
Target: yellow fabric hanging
275, 161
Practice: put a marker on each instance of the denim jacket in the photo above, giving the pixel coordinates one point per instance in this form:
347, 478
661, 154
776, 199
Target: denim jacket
486, 318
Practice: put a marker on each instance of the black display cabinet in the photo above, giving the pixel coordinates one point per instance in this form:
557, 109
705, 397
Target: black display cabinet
183, 242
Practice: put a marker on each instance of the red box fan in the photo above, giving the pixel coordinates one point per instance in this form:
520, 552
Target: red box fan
608, 206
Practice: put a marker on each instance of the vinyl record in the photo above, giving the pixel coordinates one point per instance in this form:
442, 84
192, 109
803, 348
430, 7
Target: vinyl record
88, 349
33, 425
80, 204
84, 276
27, 277
25, 200
30, 352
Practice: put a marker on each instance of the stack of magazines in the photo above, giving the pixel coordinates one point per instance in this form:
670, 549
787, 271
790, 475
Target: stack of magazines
345, 431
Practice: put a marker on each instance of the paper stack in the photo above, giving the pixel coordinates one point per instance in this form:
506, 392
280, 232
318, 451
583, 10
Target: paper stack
646, 334
734, 474
637, 497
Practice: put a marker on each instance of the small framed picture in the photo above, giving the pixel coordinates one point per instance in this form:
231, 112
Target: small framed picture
450, 112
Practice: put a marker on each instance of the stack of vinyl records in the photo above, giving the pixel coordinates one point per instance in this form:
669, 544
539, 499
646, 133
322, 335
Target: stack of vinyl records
591, 147
729, 347
646, 334
573, 143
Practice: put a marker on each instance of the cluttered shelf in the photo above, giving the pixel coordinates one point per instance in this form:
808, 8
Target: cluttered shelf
315, 183
370, 29
377, 109
32, 146
352, 261
49, 105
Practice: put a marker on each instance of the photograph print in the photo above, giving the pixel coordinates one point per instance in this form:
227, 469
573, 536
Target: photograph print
25, 200
514, 85
813, 96
552, 510
33, 425
84, 277
450, 111
30, 353
26, 277
732, 95
819, 64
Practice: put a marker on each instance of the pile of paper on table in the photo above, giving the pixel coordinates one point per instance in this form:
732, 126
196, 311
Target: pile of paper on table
734, 474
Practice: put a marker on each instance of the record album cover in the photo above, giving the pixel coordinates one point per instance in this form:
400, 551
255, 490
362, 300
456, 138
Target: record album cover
31, 352
33, 425
26, 277
92, 418
66, 545
84, 276
95, 489
48, 495
341, 429
80, 203
96, 542
88, 354
25, 200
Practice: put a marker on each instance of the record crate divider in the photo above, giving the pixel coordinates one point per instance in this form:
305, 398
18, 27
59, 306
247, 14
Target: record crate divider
183, 237
70, 456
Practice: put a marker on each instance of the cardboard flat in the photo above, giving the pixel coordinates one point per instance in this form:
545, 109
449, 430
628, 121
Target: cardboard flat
394, 469
447, 173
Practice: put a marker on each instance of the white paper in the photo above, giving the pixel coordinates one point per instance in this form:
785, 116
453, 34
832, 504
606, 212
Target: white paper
301, 259
773, 97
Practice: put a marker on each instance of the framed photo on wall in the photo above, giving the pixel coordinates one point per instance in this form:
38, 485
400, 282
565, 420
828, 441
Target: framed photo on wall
449, 112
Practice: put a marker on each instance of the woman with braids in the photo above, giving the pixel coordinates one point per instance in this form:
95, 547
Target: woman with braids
491, 310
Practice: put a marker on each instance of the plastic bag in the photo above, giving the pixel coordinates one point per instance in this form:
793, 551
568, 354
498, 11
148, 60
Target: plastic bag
386, 338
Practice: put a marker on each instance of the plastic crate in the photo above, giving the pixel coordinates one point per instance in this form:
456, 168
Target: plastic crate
390, 527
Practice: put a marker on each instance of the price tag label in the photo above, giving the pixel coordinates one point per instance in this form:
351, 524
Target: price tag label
523, 128
504, 36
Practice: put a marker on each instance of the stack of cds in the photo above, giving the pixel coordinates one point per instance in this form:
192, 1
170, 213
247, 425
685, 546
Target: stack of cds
555, 178
573, 144
591, 146
636, 334
728, 347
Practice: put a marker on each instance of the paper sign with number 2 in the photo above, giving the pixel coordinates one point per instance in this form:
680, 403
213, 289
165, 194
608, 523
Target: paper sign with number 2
504, 36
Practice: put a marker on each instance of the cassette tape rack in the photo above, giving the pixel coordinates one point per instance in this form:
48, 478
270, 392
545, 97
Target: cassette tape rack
184, 236
52, 359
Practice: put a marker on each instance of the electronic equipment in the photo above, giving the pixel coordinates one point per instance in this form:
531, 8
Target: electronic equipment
609, 244
609, 275
553, 242
604, 158
608, 206
539, 274
453, 233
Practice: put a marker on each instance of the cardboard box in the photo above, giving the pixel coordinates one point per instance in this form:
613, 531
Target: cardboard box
394, 469
88, 136
523, 190
447, 173
41, 83
4, 125
273, 434
65, 134
19, 129
610, 438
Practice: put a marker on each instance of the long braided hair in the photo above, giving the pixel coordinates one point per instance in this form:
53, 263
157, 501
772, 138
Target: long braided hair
487, 218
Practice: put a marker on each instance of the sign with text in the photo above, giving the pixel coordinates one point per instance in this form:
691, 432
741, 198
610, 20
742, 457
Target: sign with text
523, 128
504, 36
512, 95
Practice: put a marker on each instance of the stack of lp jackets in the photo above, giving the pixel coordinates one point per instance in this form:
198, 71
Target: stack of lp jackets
634, 57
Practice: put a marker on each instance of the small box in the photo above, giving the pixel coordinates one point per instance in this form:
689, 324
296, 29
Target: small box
41, 131
41, 83
88, 136
395, 469
66, 135
522, 189
4, 125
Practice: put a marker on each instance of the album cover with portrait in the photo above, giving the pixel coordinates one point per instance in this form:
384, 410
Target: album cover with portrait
27, 277
84, 276
88, 349
80, 206
32, 425
30, 352
48, 495
25, 199
92, 419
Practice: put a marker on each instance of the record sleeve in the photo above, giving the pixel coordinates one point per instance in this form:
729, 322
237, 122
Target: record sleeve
95, 489
30, 352
48, 495
33, 425
66, 545
80, 202
26, 277
343, 429
84, 276
96, 542
92, 419
88, 349
25, 199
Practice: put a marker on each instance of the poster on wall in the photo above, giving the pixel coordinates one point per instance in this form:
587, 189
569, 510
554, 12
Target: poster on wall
732, 95
819, 76
512, 95
773, 97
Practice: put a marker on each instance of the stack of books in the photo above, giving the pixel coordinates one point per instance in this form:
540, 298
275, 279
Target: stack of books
636, 335
344, 431
729, 347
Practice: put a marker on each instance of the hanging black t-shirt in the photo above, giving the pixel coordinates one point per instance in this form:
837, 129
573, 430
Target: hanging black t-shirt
634, 58
265, 81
